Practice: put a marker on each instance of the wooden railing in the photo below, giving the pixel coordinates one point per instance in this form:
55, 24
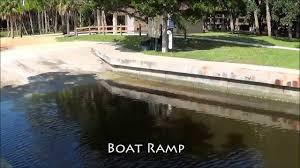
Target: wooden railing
101, 29
3, 29
104, 29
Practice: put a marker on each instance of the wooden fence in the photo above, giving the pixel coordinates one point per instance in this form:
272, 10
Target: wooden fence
104, 29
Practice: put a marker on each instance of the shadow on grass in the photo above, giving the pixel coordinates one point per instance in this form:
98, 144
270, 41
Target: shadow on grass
200, 44
238, 38
133, 43
247, 38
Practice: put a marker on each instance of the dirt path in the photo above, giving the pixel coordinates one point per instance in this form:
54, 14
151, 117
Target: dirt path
18, 64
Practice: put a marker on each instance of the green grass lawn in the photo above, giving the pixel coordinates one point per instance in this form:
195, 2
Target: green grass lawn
265, 40
131, 42
3, 33
102, 38
250, 55
207, 50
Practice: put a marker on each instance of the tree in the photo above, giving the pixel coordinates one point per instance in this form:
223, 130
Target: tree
152, 8
10, 8
233, 8
86, 10
69, 7
253, 8
286, 13
29, 7
268, 18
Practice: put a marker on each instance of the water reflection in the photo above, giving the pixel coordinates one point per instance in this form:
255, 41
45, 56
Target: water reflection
71, 128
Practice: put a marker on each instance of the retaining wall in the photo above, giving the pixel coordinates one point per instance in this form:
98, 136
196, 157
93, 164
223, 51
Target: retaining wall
269, 82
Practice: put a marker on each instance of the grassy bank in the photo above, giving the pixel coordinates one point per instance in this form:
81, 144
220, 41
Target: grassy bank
207, 50
264, 40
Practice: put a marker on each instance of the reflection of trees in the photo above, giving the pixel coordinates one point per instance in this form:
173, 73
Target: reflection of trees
104, 117
112, 118
234, 141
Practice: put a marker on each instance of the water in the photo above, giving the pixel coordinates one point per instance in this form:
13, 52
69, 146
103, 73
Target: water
69, 124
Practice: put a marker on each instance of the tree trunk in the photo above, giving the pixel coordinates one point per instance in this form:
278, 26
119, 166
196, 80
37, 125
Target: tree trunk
75, 21
237, 26
55, 22
16, 26
46, 23
104, 21
95, 17
210, 23
42, 19
24, 28
68, 23
214, 23
290, 31
268, 18
231, 23
256, 24
275, 29
297, 28
12, 33
31, 24
164, 47
104, 18
20, 27
223, 22
39, 23
89, 25
98, 19
7, 25
80, 19
62, 19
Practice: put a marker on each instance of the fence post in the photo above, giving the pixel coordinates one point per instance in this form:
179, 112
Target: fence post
121, 30
89, 30
140, 30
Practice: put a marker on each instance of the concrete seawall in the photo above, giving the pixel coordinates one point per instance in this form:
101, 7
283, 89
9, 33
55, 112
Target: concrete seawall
259, 81
200, 106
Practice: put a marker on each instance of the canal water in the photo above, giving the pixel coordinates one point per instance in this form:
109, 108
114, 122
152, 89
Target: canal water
63, 124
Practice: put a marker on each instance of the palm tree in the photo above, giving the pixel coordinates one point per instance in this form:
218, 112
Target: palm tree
69, 7
4, 14
10, 9
29, 8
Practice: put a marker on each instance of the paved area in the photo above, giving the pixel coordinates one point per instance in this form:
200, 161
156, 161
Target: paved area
9, 43
19, 63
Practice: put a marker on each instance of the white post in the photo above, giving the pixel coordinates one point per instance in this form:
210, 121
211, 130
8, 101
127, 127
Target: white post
170, 40
115, 23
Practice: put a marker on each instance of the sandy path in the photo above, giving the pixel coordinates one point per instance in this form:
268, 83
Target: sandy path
19, 63
8, 43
